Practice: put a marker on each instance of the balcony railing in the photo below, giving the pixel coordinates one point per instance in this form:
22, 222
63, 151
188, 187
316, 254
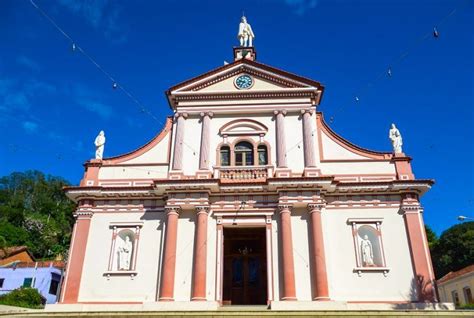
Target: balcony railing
242, 174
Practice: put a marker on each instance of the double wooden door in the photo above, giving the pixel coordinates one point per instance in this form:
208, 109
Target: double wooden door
245, 268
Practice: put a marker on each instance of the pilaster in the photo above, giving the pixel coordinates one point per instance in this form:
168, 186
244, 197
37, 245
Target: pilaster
169, 255
318, 257
77, 253
420, 253
289, 289
200, 255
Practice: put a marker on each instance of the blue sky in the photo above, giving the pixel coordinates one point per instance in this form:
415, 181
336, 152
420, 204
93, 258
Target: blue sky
53, 101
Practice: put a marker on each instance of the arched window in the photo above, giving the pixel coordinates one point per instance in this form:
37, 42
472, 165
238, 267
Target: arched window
243, 154
225, 156
262, 155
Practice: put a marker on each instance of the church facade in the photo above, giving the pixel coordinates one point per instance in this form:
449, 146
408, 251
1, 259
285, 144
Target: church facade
248, 197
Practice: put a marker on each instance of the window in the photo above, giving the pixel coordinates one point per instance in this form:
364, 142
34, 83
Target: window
455, 296
225, 156
27, 282
2, 280
53, 287
467, 295
368, 245
262, 155
244, 154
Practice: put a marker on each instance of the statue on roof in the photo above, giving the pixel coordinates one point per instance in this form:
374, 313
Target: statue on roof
99, 145
396, 139
245, 35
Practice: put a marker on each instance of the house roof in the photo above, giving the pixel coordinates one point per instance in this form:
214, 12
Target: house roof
42, 264
452, 275
13, 250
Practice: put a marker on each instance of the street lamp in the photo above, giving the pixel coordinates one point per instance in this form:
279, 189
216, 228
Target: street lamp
462, 218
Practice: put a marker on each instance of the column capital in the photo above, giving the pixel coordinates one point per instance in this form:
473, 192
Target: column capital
208, 114
202, 209
83, 214
309, 111
280, 111
285, 207
316, 207
172, 209
181, 114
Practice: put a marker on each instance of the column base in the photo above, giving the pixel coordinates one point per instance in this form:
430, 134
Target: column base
321, 299
176, 175
166, 299
198, 299
282, 173
289, 299
203, 174
311, 172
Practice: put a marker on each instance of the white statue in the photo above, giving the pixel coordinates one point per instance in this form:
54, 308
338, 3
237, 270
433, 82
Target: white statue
245, 35
396, 138
125, 253
99, 145
367, 252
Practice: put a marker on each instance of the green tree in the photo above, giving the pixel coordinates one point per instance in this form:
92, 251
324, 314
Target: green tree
431, 237
454, 249
35, 212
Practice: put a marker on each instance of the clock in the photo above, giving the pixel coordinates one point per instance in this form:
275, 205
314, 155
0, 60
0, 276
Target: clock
243, 82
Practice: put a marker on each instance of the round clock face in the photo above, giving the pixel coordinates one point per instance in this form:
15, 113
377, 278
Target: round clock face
243, 82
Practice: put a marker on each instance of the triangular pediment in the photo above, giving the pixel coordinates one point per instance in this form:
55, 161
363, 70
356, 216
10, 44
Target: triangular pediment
264, 78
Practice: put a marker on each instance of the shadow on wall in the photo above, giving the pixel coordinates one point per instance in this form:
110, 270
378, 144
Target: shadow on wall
418, 283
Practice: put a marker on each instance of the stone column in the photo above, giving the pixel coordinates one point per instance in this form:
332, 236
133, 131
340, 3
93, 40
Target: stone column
288, 266
178, 142
318, 257
200, 255
280, 138
308, 140
77, 253
420, 253
205, 140
169, 255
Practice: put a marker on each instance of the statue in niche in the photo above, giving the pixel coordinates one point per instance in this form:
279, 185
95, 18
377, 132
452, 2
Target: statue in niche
367, 252
396, 139
245, 35
125, 253
99, 145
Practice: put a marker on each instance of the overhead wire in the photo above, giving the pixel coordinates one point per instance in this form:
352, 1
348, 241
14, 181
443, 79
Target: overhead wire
115, 83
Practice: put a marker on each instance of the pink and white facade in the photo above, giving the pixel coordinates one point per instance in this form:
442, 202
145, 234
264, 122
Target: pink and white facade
248, 197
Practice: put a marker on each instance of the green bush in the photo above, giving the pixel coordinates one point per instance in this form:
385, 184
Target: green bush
467, 306
23, 297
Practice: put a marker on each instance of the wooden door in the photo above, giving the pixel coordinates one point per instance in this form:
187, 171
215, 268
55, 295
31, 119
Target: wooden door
245, 279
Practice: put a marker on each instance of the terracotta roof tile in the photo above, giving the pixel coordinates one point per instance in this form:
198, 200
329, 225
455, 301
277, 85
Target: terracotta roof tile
452, 275
9, 251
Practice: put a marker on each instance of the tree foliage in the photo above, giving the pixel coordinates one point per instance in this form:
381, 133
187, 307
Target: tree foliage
431, 237
454, 249
35, 212
23, 297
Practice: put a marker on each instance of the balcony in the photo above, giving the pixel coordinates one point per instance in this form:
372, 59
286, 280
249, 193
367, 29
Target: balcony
242, 174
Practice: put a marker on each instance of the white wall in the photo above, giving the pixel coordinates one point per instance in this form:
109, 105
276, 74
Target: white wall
301, 253
95, 286
344, 284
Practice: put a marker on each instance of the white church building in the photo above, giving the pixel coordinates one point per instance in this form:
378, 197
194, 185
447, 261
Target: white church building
247, 197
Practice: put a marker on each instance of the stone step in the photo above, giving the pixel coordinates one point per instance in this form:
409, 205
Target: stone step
254, 311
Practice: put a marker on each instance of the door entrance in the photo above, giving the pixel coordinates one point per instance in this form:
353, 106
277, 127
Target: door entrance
245, 266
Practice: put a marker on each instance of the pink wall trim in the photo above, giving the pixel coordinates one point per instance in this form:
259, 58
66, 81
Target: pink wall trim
322, 127
72, 283
422, 266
